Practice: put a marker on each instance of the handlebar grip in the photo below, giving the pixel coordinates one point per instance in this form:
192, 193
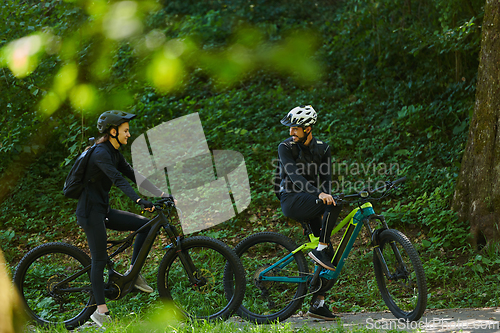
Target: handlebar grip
337, 198
400, 180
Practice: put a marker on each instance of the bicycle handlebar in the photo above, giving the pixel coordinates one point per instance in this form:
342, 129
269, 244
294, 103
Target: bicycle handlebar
168, 201
400, 180
389, 184
365, 193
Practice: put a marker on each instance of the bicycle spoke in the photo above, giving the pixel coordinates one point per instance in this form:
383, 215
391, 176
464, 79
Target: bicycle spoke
203, 295
53, 290
266, 300
405, 289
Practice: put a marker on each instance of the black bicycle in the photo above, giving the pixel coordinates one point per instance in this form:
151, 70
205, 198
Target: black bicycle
54, 278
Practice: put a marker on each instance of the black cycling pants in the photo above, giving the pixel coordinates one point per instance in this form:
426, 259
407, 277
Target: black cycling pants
95, 229
303, 207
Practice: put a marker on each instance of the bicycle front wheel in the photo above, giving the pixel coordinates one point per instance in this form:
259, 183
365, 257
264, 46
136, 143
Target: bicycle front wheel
268, 301
202, 296
48, 301
404, 291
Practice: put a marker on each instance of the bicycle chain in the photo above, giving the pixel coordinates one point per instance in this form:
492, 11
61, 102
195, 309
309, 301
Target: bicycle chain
95, 304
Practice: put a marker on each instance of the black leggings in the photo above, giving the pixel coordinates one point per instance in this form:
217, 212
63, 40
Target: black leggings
95, 229
303, 207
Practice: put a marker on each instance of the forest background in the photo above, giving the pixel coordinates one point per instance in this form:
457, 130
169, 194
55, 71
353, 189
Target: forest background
393, 83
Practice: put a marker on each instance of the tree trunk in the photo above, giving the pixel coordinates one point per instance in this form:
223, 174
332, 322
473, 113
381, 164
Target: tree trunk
477, 195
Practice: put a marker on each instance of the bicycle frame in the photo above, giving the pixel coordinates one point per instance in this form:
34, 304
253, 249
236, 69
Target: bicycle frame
125, 282
356, 218
119, 285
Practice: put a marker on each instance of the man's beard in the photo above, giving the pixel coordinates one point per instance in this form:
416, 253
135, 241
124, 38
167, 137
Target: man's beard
303, 139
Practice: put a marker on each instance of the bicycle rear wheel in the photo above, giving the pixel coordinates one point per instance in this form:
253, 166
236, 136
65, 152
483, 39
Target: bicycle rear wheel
268, 301
204, 298
405, 290
48, 302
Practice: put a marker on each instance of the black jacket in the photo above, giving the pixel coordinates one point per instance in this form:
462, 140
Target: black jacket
106, 167
305, 168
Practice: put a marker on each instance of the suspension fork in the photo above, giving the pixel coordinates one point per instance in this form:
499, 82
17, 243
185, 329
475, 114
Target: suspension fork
184, 256
376, 245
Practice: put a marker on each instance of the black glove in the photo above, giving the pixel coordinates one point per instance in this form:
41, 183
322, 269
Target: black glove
166, 195
145, 203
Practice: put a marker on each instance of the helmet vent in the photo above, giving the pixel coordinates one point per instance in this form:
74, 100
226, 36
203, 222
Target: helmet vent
303, 115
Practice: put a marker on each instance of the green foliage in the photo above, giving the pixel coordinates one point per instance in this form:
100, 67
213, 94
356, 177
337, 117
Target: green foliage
431, 212
468, 285
393, 84
383, 103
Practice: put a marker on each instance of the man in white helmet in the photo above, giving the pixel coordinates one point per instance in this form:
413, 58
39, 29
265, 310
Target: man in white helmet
305, 173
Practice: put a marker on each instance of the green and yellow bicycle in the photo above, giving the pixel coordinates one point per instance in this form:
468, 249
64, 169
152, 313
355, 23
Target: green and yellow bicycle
278, 277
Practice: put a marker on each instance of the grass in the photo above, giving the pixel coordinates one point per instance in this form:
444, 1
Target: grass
162, 322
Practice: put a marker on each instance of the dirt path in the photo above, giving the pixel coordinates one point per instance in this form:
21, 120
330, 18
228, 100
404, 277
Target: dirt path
452, 320
436, 321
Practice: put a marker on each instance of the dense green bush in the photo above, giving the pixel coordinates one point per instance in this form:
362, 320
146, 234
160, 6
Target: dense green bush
395, 95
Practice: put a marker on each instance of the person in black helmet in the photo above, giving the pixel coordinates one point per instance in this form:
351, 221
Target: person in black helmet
305, 173
106, 167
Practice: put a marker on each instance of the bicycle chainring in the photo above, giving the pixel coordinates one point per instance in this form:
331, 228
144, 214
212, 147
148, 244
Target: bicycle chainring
112, 291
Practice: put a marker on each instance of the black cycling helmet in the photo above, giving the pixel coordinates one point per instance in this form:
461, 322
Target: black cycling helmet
113, 118
301, 116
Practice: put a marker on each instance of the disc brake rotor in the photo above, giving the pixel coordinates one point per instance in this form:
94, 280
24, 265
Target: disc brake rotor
205, 278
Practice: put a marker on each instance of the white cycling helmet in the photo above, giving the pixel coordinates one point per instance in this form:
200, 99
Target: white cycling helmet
301, 116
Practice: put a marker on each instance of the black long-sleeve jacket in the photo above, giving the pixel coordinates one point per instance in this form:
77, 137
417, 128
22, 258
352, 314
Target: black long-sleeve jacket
107, 166
305, 168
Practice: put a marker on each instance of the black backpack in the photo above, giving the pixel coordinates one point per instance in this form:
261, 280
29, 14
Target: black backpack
74, 184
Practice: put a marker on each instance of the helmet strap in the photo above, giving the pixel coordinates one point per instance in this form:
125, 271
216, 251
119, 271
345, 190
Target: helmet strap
115, 136
306, 136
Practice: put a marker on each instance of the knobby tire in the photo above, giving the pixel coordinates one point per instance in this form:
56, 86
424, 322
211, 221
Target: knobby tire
37, 277
207, 299
265, 301
406, 293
